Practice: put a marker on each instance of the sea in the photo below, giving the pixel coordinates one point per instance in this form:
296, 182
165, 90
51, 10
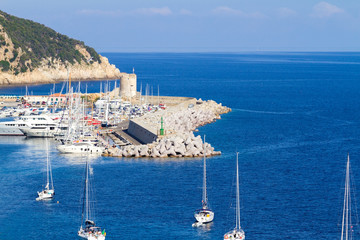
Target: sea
295, 118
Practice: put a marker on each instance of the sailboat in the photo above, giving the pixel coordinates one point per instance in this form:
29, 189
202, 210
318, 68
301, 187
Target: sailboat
89, 231
203, 215
49, 192
237, 233
346, 226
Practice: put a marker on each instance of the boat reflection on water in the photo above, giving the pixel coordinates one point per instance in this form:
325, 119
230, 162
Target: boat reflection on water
79, 159
12, 139
205, 227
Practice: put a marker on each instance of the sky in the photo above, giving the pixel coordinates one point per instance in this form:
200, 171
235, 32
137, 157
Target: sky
199, 25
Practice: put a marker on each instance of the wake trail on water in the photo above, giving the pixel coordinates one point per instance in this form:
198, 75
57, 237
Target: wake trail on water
291, 144
262, 112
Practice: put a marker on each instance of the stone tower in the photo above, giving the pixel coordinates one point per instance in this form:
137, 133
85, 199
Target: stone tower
128, 86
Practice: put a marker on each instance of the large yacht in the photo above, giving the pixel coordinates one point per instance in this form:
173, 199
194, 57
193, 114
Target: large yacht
45, 127
12, 128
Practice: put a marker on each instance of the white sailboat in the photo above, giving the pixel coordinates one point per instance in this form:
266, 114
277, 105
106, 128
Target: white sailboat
346, 226
203, 215
237, 233
90, 231
49, 192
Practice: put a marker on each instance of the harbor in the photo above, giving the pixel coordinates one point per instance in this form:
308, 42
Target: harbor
121, 122
179, 120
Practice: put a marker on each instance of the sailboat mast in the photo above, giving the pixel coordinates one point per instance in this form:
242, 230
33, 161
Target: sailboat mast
83, 118
87, 192
70, 97
237, 193
140, 94
47, 165
345, 218
204, 179
158, 96
347, 198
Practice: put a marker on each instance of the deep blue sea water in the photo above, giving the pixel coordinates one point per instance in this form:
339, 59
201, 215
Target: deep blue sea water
295, 118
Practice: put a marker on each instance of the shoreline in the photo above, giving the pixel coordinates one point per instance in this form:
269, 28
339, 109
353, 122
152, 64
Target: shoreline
57, 81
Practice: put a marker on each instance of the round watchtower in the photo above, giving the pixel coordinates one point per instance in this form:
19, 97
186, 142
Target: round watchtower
128, 85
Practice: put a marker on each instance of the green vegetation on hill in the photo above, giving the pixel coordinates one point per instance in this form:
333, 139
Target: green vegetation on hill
38, 42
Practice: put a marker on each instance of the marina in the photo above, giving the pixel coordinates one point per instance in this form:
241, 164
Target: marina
116, 123
292, 156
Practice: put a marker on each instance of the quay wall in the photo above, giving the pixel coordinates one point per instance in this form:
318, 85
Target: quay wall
145, 134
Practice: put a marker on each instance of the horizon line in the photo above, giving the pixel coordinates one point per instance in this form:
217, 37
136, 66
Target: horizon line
238, 52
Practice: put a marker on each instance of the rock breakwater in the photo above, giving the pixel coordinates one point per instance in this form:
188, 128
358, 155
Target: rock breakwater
185, 145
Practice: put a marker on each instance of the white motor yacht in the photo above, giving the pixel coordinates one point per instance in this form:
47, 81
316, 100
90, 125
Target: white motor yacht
40, 126
13, 128
80, 148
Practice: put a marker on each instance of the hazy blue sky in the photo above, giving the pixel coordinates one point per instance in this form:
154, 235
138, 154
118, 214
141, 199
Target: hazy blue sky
200, 25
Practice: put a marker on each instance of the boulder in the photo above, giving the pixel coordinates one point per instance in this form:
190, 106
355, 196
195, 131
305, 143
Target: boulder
144, 151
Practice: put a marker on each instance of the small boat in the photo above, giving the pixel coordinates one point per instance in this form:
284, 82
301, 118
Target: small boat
81, 148
346, 225
49, 192
203, 215
90, 231
237, 233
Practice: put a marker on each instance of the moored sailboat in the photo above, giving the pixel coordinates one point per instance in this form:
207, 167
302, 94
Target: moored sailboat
89, 231
237, 233
346, 224
49, 191
203, 215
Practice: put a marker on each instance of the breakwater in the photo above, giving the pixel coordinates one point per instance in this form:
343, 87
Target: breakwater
178, 140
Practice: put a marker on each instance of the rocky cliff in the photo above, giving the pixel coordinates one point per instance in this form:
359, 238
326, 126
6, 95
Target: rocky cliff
33, 53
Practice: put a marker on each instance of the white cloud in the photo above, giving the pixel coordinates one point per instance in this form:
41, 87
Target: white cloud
224, 10
286, 12
324, 10
164, 11
185, 12
227, 10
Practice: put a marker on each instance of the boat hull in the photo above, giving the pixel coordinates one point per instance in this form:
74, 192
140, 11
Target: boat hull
236, 234
90, 236
45, 195
43, 133
204, 216
73, 149
10, 131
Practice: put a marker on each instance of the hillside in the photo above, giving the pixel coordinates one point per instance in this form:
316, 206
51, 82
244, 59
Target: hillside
31, 53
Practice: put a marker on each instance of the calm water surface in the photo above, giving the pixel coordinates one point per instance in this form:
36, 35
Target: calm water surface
295, 117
